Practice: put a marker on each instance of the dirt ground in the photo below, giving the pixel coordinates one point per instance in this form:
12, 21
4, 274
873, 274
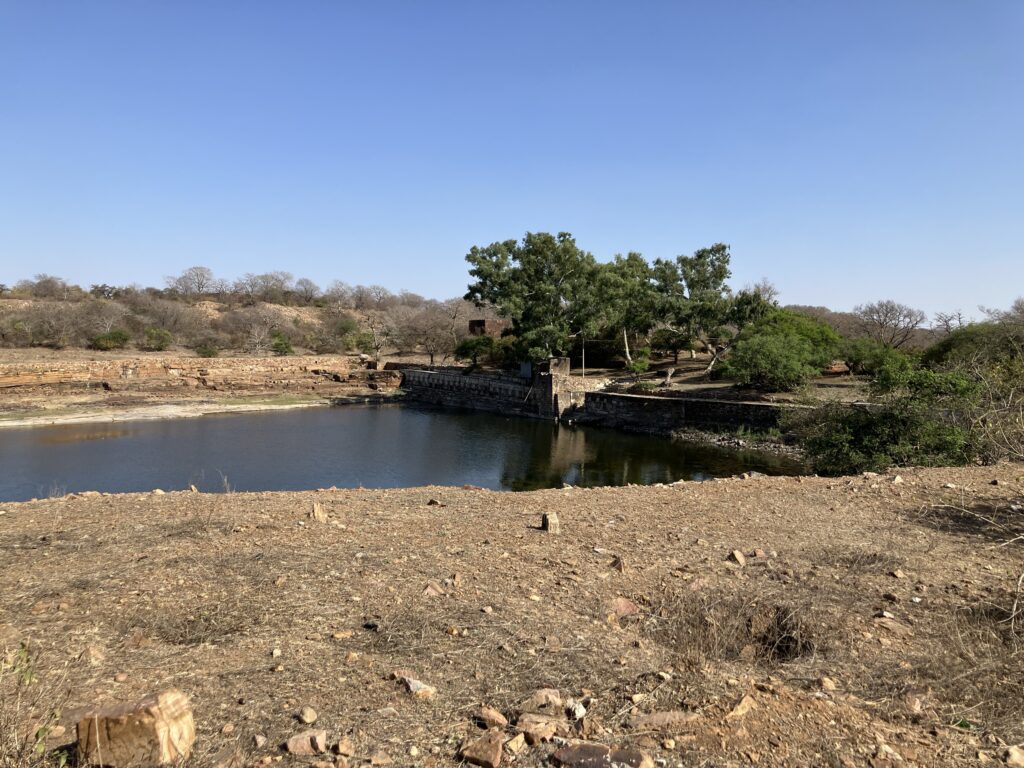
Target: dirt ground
47, 387
869, 624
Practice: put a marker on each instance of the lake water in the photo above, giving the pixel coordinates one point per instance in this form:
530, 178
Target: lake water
352, 446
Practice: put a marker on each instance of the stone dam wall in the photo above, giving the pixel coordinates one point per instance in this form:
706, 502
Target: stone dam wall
663, 415
554, 396
498, 394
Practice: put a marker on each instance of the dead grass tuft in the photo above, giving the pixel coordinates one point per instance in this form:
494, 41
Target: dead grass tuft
30, 708
756, 628
202, 624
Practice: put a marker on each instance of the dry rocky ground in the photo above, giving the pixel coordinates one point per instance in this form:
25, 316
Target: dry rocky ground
864, 621
42, 386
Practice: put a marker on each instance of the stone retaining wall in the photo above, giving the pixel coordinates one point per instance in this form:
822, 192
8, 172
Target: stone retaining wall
664, 415
479, 392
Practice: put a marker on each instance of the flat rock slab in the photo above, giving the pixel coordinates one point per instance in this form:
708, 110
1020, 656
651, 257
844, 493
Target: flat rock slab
669, 720
600, 756
155, 730
308, 743
485, 751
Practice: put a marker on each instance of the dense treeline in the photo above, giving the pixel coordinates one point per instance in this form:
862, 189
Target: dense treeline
270, 312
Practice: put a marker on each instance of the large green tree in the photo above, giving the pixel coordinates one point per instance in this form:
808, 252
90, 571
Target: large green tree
628, 298
545, 284
693, 296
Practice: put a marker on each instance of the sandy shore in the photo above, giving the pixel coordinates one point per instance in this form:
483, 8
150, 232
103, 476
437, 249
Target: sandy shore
149, 413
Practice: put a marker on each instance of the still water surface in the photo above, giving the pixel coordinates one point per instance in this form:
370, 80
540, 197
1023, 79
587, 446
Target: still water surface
348, 447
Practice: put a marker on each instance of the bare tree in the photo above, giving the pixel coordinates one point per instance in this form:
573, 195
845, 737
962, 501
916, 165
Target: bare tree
101, 316
194, 281
45, 286
252, 327
339, 294
765, 289
306, 289
435, 327
1015, 314
888, 322
947, 322
381, 329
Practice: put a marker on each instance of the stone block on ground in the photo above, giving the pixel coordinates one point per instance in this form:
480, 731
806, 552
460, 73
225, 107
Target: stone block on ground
307, 743
485, 751
155, 730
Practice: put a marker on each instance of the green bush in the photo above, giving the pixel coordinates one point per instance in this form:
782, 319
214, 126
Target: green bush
865, 356
157, 339
985, 342
206, 350
280, 345
475, 347
640, 363
772, 362
781, 352
917, 421
114, 339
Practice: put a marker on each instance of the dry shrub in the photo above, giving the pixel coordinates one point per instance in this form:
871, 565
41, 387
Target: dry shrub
969, 674
202, 624
757, 628
30, 708
858, 560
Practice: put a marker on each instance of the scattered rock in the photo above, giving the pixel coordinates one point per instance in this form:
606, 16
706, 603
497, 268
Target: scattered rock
307, 743
897, 480
545, 701
485, 751
158, 492
746, 704
345, 747
738, 557
259, 741
490, 717
550, 523
317, 513
308, 715
622, 608
417, 688
538, 728
1014, 757
154, 730
433, 589
380, 757
575, 709
516, 744
827, 684
892, 625
595, 755
228, 729
898, 574
663, 721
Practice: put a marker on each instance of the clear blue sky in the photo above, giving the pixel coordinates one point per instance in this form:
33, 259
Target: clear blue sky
847, 151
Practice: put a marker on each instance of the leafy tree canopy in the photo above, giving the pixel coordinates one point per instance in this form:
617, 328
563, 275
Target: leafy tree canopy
543, 284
